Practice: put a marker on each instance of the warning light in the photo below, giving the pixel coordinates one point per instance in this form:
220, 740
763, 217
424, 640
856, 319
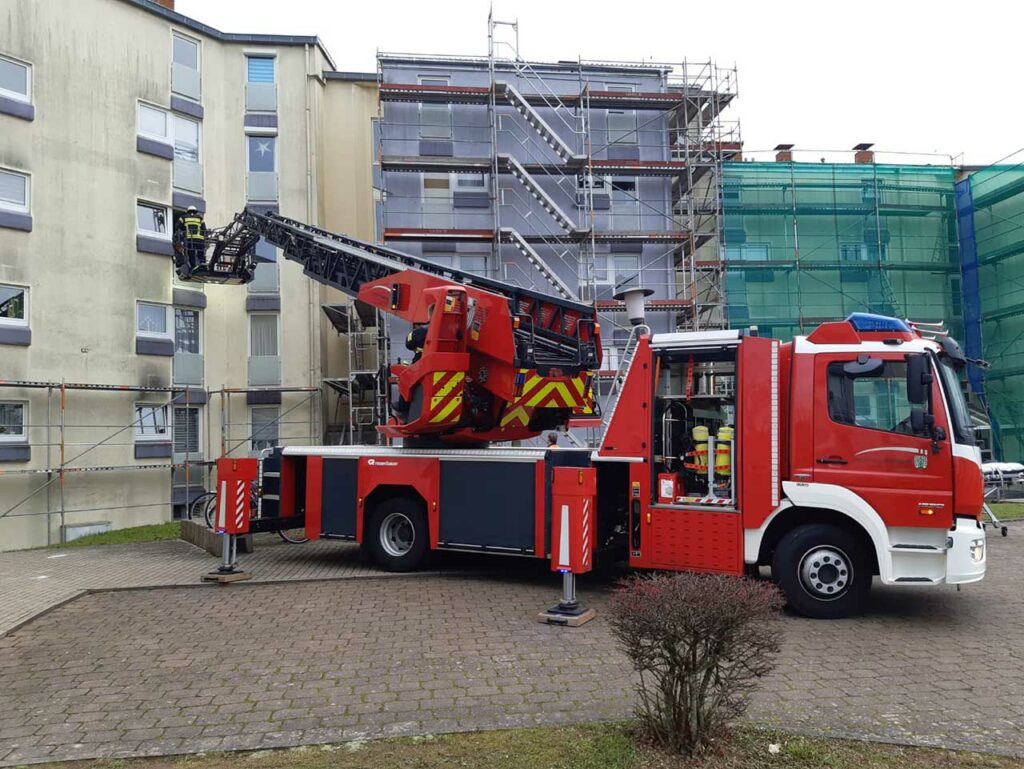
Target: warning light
866, 321
926, 511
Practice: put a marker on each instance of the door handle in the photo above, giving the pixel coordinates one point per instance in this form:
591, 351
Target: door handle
831, 461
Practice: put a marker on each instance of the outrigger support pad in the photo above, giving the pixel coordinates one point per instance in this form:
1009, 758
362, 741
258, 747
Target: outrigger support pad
568, 611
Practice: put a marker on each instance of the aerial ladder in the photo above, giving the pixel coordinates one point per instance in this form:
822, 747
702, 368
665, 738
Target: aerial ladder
498, 362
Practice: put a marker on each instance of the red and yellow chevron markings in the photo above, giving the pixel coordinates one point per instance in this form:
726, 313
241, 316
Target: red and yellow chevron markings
446, 402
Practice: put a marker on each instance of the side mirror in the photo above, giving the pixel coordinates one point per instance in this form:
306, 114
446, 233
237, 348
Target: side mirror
922, 423
919, 379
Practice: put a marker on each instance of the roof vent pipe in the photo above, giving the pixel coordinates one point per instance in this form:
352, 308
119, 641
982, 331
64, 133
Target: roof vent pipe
634, 298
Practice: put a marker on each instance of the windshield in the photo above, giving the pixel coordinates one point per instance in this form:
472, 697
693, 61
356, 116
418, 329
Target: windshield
959, 416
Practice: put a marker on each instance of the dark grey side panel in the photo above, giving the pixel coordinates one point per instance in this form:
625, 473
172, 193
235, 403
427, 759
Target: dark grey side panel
339, 497
488, 504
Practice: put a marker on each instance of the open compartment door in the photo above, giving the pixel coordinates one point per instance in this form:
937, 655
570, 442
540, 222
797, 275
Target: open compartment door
759, 428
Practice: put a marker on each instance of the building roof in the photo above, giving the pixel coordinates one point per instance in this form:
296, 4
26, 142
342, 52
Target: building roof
230, 37
360, 77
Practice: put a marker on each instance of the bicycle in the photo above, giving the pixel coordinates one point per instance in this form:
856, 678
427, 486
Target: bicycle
205, 507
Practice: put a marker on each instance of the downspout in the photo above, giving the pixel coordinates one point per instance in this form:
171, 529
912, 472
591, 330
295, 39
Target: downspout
315, 431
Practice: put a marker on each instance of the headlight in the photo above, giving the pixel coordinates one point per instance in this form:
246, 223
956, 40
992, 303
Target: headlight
977, 550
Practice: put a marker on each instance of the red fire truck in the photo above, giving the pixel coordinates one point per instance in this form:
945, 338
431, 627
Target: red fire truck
840, 456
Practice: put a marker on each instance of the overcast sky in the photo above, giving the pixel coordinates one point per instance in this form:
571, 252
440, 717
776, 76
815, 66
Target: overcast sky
910, 76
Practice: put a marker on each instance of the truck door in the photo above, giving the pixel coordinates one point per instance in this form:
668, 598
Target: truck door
864, 440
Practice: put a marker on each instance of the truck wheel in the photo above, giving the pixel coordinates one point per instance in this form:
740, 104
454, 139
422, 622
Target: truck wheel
824, 571
397, 534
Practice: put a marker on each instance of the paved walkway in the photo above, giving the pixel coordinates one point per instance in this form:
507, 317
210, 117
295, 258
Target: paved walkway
254, 666
33, 581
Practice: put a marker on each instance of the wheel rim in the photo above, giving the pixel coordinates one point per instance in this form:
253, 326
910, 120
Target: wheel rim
397, 534
826, 573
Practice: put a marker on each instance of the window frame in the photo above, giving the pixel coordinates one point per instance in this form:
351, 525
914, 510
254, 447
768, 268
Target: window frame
19, 322
277, 329
249, 56
175, 34
23, 437
199, 428
24, 98
455, 184
276, 422
25, 208
168, 321
248, 152
199, 137
168, 223
137, 424
635, 133
839, 363
445, 81
168, 136
199, 329
635, 199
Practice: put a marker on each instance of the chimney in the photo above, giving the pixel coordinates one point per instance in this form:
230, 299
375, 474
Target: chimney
863, 154
784, 153
168, 4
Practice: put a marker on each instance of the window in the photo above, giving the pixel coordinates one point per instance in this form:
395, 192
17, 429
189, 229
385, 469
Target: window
262, 335
862, 252
13, 305
625, 205
13, 422
437, 201
152, 220
151, 423
615, 268
597, 184
747, 252
435, 119
471, 182
262, 154
187, 331
186, 52
877, 401
15, 80
14, 191
264, 427
622, 122
475, 263
154, 123
260, 69
186, 139
186, 430
153, 321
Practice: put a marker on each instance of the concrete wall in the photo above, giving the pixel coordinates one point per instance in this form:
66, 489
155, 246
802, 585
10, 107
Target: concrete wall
91, 63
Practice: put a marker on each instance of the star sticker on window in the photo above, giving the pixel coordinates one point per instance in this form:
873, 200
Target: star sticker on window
263, 147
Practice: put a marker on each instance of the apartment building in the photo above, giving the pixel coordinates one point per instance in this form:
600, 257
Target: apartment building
119, 380
576, 178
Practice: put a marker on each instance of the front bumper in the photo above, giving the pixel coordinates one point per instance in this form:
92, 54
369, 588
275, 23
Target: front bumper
966, 543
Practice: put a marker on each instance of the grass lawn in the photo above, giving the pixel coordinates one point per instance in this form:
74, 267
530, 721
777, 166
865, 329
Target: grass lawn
1008, 511
580, 747
154, 533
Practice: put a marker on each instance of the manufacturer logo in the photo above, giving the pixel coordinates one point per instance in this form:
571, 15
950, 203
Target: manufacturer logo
921, 461
381, 463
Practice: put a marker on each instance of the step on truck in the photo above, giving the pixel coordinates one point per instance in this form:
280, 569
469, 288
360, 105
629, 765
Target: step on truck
838, 457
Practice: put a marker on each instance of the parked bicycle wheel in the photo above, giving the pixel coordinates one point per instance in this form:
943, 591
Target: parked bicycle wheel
210, 511
197, 510
295, 536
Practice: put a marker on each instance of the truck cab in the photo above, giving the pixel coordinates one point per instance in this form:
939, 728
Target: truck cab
839, 456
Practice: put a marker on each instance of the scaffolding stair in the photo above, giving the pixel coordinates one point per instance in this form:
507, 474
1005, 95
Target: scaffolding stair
622, 374
540, 125
513, 236
539, 194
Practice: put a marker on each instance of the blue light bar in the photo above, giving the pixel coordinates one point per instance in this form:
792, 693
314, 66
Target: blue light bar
866, 321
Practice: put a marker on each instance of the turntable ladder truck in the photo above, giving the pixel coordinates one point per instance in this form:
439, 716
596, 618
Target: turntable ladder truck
841, 456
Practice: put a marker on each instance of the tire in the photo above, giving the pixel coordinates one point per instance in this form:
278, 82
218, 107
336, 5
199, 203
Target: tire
825, 571
396, 534
293, 536
197, 510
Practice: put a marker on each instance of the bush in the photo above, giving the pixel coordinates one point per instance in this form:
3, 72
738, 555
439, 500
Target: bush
698, 642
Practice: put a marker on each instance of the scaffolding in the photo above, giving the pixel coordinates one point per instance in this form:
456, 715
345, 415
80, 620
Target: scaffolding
164, 436
807, 243
566, 181
992, 238
361, 396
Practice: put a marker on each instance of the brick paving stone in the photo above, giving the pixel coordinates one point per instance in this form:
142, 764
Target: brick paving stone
117, 674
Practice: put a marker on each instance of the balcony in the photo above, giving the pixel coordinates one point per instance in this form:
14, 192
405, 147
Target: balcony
261, 187
185, 81
188, 176
261, 97
264, 370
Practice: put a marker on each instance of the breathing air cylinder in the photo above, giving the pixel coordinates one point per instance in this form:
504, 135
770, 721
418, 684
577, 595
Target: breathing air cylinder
723, 451
699, 455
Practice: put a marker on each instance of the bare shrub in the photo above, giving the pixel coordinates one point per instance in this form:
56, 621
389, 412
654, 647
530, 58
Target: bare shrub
698, 642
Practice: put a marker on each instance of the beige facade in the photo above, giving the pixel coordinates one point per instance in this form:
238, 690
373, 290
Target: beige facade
87, 155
